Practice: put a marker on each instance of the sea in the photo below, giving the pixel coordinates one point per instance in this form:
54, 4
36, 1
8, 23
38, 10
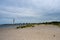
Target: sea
11, 25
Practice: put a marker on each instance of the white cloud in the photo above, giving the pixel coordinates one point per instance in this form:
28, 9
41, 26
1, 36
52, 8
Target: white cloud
18, 12
40, 5
30, 8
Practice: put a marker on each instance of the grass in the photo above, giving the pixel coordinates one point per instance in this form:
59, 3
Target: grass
25, 26
52, 23
32, 24
57, 24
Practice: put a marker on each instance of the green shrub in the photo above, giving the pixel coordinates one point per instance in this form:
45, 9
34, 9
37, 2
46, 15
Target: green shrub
17, 27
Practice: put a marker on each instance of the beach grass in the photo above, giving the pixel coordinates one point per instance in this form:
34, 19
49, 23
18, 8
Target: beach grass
25, 26
52, 23
45, 23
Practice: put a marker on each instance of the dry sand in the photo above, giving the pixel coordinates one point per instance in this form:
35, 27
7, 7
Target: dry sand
41, 32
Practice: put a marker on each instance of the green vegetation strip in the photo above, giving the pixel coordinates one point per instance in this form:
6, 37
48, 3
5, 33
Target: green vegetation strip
27, 25
32, 24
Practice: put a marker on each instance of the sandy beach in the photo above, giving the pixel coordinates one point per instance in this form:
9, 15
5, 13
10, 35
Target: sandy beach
39, 32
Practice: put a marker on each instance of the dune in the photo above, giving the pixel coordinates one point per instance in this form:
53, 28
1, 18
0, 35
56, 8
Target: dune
39, 32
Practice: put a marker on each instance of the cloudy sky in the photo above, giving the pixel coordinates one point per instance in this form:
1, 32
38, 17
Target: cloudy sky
29, 11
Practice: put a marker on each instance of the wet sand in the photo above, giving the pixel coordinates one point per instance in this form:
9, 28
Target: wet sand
39, 32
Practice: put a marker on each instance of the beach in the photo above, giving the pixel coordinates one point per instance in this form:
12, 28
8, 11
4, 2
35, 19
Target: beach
39, 32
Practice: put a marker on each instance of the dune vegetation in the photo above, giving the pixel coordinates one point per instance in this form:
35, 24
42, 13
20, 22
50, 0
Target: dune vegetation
45, 23
53, 23
26, 25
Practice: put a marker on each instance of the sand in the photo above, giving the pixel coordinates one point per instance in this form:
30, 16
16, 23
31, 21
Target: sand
41, 32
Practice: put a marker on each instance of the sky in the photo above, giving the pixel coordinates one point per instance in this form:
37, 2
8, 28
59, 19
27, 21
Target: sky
29, 11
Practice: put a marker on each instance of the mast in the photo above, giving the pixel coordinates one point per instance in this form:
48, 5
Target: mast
13, 21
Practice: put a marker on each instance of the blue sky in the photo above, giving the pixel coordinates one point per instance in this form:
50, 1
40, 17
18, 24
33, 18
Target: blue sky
29, 11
